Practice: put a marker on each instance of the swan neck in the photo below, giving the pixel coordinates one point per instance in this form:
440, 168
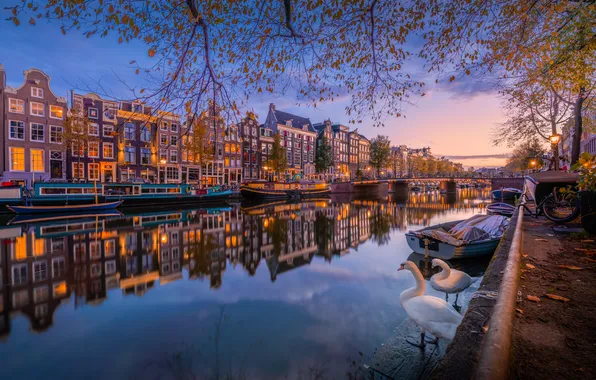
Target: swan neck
446, 271
416, 291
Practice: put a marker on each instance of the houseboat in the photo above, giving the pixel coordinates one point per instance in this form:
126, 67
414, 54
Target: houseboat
285, 190
131, 194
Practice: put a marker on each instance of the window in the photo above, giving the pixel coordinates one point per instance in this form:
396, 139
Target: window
108, 130
94, 250
93, 149
138, 108
56, 112
163, 155
37, 92
58, 267
78, 169
174, 140
108, 150
163, 139
19, 274
17, 130
129, 154
17, 159
37, 109
109, 248
92, 113
37, 160
93, 171
173, 156
129, 131
145, 156
40, 271
172, 173
164, 126
174, 127
16, 106
40, 294
145, 133
56, 134
110, 267
56, 155
37, 132
93, 129
110, 111
78, 149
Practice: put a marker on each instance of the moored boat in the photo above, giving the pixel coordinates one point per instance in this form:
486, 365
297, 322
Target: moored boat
131, 194
477, 236
83, 208
507, 193
285, 190
500, 208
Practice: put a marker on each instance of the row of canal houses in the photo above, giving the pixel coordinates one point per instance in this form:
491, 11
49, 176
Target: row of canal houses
129, 141
80, 262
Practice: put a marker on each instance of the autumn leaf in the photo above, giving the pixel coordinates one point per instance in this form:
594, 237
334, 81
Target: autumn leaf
570, 267
587, 241
151, 52
558, 298
16, 21
452, 79
530, 266
519, 310
534, 298
540, 239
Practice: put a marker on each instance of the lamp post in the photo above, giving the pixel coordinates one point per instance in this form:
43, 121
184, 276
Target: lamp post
532, 164
555, 138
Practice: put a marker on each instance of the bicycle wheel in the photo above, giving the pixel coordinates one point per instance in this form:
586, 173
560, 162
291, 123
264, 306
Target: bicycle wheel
561, 207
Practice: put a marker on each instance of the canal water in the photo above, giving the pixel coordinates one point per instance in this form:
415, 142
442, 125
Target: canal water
269, 291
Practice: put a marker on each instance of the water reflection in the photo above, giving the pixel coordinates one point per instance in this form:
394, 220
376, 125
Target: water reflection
84, 262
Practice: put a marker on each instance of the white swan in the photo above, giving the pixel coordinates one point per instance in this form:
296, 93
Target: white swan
449, 281
432, 314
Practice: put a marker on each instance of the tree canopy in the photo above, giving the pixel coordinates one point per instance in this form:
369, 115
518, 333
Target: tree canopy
380, 150
524, 154
278, 159
324, 155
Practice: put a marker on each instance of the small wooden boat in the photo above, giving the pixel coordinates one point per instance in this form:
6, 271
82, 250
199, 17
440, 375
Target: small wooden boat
451, 248
281, 190
92, 207
507, 193
500, 208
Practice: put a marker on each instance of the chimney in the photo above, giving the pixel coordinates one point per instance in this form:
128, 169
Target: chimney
2, 78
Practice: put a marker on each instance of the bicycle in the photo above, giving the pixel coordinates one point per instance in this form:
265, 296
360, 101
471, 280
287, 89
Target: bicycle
560, 206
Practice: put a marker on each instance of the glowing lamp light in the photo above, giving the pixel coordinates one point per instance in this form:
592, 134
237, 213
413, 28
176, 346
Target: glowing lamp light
554, 139
164, 238
533, 163
162, 161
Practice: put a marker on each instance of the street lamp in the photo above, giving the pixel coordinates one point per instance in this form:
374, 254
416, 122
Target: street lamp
555, 138
163, 162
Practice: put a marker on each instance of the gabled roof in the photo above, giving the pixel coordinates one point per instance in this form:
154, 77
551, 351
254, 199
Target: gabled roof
297, 121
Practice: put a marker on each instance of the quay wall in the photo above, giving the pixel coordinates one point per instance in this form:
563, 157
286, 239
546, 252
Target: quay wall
463, 353
343, 187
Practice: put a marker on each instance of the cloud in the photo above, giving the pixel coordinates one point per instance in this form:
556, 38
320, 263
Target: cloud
478, 156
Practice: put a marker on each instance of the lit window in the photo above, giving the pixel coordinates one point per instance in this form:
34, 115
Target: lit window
56, 134
16, 106
60, 289
37, 92
164, 126
78, 149
78, 169
39, 247
108, 150
163, 155
37, 160
17, 159
93, 171
17, 130
93, 129
56, 112
93, 149
109, 248
37, 132
163, 139
92, 113
37, 109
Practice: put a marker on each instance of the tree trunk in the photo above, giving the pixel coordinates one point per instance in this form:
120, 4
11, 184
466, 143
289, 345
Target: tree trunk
577, 127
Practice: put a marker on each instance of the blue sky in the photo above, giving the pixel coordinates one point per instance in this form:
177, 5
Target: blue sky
453, 118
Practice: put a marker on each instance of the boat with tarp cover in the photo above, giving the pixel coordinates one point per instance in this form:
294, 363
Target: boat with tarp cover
476, 236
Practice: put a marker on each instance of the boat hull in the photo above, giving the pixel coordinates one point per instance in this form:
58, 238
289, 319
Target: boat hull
64, 209
446, 251
270, 194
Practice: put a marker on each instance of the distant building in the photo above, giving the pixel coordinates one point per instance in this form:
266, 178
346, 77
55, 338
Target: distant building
168, 138
359, 148
298, 138
337, 136
232, 156
100, 160
266, 145
32, 118
251, 150
137, 153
